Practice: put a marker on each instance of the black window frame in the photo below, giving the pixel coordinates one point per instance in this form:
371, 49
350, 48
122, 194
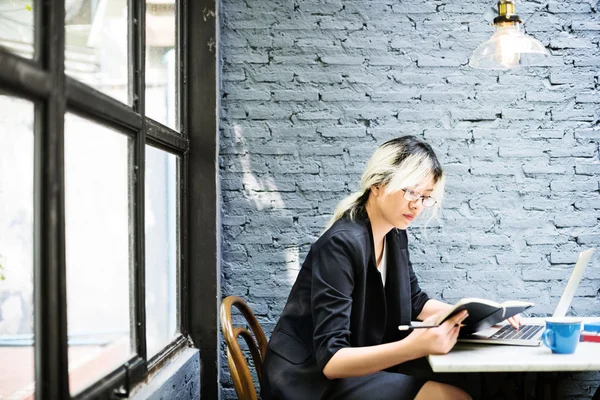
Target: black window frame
43, 81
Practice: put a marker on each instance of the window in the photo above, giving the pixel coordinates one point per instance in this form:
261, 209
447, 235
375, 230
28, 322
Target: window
91, 196
96, 45
161, 63
161, 249
97, 221
16, 247
16, 26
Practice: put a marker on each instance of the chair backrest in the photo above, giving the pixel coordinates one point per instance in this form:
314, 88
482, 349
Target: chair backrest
240, 373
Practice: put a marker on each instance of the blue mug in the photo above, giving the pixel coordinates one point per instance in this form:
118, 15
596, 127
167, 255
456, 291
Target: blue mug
562, 335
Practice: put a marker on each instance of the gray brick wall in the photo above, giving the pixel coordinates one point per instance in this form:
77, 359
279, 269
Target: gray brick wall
178, 379
310, 88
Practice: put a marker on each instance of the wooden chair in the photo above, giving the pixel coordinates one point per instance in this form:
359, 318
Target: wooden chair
240, 373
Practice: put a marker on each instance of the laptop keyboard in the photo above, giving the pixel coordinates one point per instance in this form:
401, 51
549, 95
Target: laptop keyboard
525, 332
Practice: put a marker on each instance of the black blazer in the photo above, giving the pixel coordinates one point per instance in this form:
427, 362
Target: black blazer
339, 301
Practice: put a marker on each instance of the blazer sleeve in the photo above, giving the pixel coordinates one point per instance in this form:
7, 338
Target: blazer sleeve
331, 296
418, 296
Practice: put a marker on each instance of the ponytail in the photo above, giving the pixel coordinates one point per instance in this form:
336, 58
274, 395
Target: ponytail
351, 206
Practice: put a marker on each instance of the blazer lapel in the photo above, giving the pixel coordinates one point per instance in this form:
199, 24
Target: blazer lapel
397, 288
376, 299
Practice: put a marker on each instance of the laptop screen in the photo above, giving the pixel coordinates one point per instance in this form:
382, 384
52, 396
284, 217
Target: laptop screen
573, 283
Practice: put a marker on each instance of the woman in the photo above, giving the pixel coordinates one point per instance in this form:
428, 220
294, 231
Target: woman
338, 332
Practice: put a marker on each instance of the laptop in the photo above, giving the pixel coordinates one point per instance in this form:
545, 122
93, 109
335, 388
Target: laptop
531, 334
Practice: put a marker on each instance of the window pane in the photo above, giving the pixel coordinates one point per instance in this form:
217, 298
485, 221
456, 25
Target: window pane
16, 26
161, 63
161, 249
16, 248
96, 44
97, 250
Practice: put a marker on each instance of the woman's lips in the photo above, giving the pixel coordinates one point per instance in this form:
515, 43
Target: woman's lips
409, 217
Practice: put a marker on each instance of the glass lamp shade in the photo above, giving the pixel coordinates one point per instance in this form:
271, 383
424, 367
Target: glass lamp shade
508, 48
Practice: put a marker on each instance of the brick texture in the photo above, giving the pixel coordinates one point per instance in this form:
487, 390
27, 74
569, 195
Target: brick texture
310, 88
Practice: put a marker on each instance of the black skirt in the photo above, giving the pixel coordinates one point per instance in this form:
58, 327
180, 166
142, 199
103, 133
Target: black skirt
378, 386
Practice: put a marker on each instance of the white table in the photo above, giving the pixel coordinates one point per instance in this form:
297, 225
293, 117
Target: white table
469, 357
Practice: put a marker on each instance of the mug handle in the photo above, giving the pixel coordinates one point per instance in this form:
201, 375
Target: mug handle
548, 339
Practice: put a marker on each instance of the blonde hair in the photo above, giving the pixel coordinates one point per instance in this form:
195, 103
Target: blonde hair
397, 164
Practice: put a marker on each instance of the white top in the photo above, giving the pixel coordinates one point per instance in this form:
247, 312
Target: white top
468, 357
382, 267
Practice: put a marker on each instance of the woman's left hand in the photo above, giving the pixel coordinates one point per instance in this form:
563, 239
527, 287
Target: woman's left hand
515, 321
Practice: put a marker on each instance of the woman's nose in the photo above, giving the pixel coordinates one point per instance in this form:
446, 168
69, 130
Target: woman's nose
416, 204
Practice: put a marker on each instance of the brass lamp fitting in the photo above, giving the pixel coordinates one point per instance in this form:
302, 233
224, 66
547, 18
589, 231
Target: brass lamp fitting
506, 13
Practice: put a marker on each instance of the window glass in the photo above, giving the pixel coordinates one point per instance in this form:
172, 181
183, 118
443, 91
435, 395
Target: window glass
161, 63
97, 250
161, 249
96, 45
16, 26
16, 248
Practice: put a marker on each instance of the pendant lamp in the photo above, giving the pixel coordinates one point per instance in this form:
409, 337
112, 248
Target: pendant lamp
509, 46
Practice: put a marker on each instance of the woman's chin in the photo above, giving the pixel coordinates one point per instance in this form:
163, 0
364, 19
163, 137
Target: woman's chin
402, 225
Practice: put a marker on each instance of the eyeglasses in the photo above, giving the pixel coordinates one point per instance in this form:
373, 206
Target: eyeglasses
427, 201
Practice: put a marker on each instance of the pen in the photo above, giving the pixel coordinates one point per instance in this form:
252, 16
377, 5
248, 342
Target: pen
408, 327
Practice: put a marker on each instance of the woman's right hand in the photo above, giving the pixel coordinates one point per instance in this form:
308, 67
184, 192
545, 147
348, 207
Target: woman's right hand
438, 340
